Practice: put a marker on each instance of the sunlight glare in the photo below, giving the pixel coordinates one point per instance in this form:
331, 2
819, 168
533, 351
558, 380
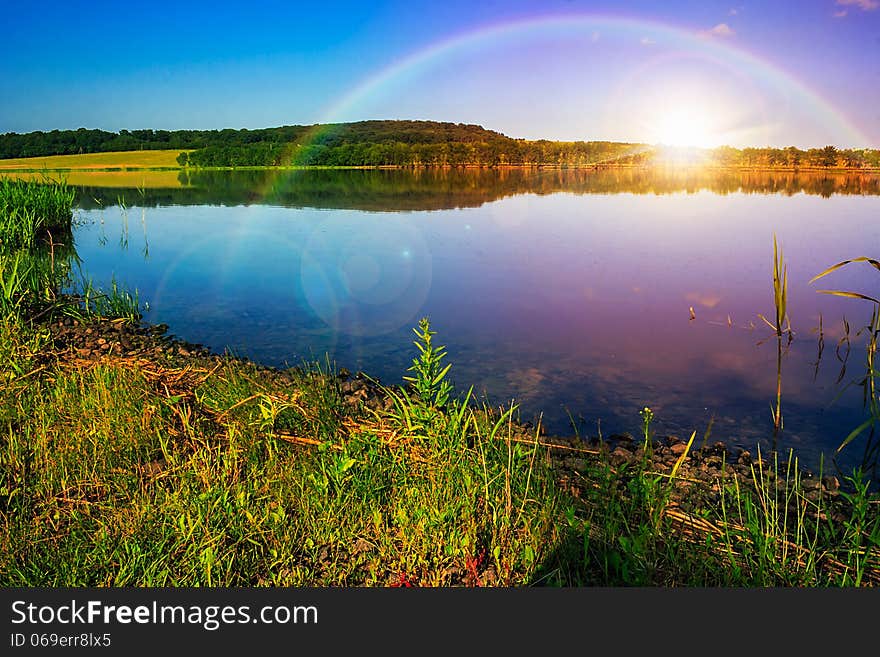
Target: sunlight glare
686, 127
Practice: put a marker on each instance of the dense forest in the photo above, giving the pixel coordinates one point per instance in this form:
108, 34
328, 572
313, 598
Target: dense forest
70, 142
405, 143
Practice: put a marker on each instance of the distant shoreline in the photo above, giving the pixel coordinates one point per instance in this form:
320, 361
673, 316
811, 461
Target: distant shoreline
5, 169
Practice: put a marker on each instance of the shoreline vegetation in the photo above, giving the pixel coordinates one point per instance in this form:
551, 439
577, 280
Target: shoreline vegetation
129, 457
385, 144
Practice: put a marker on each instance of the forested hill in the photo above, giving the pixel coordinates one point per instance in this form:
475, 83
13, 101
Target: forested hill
72, 142
407, 143
364, 143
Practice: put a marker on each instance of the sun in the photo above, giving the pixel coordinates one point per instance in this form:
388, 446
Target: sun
686, 126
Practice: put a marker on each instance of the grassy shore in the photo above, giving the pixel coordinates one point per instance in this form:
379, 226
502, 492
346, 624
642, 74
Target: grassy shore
130, 459
147, 462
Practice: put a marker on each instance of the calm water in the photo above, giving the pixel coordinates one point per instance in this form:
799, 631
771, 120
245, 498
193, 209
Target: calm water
569, 292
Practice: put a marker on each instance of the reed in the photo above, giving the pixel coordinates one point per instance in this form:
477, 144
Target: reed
30, 211
872, 399
115, 302
31, 279
780, 303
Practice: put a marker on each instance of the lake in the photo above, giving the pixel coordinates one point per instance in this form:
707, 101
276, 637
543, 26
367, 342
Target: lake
568, 291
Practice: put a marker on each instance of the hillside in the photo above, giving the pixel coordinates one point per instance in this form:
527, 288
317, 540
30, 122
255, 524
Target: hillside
82, 140
383, 143
363, 143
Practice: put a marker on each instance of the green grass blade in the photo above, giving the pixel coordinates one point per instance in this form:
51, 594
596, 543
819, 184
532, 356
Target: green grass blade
683, 456
855, 432
874, 263
851, 295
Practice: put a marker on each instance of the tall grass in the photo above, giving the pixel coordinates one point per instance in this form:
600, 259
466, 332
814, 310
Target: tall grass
31, 211
131, 474
115, 302
139, 472
32, 279
37, 256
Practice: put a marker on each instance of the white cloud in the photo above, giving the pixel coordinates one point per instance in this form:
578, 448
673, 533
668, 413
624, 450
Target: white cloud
864, 5
840, 14
722, 30
647, 41
733, 12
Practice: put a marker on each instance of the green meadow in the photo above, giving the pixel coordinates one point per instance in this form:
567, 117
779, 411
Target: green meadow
146, 159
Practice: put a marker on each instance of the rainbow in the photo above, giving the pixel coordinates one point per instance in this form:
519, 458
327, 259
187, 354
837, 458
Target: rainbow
743, 63
689, 43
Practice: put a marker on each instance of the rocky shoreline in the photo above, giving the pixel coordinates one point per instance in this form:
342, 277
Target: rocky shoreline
699, 478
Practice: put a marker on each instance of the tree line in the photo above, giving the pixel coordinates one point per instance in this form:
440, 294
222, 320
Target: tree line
495, 152
403, 143
793, 158
72, 142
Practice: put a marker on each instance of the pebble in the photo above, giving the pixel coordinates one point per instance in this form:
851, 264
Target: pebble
830, 483
621, 455
813, 495
678, 449
808, 484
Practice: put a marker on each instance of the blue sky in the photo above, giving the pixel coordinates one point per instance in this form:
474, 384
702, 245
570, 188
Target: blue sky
805, 72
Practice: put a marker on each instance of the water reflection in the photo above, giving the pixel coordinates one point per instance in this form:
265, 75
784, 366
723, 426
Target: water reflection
387, 190
566, 290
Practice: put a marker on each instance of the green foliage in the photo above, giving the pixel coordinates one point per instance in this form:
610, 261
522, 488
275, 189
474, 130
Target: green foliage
31, 279
792, 157
13, 283
861, 530
429, 381
363, 143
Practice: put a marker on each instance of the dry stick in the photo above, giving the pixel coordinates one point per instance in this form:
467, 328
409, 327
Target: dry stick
556, 446
220, 416
209, 374
302, 440
24, 376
